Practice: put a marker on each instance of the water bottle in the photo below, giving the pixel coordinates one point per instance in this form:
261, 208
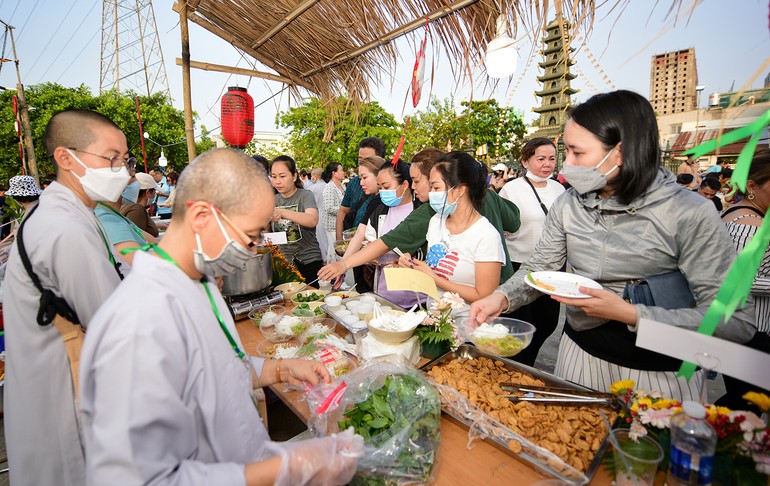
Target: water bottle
693, 441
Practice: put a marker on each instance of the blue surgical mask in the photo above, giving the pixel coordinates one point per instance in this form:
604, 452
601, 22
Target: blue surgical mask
390, 198
439, 201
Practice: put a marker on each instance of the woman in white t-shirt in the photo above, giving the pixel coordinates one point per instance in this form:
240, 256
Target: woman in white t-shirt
465, 252
533, 194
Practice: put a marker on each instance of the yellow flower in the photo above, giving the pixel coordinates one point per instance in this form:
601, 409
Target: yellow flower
759, 399
664, 403
645, 402
620, 387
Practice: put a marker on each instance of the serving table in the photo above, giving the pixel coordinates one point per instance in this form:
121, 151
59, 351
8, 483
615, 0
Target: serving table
483, 464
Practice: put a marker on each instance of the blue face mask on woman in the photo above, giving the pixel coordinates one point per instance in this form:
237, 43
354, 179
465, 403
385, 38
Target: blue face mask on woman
439, 201
390, 198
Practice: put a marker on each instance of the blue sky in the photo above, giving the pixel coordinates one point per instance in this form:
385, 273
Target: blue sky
59, 41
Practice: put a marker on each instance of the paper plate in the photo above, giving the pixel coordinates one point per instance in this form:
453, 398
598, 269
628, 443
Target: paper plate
561, 284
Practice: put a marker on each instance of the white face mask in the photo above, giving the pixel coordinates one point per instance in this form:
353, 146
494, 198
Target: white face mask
102, 184
231, 258
587, 179
534, 177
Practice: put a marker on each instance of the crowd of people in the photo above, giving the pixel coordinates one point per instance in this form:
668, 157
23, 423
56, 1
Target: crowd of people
161, 392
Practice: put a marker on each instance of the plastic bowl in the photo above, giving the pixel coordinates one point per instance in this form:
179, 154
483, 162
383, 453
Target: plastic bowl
293, 328
278, 347
316, 307
390, 337
321, 326
340, 246
349, 233
518, 337
266, 326
341, 367
288, 288
307, 296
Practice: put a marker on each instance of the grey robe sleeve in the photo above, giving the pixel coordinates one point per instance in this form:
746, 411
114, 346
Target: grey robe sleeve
550, 254
144, 433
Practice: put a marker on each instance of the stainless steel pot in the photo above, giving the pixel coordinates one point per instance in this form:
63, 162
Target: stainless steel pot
257, 275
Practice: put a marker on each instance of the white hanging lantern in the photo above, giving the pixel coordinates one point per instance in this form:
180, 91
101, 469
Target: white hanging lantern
502, 55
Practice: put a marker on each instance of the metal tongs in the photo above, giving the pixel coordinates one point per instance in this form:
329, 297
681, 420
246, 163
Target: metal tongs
559, 396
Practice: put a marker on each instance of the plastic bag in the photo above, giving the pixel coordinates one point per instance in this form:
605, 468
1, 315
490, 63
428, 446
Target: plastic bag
395, 409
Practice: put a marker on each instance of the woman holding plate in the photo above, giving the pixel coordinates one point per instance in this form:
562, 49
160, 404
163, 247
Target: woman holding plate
623, 219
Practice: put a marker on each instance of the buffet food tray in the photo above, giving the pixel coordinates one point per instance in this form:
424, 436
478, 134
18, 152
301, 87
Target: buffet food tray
377, 298
526, 453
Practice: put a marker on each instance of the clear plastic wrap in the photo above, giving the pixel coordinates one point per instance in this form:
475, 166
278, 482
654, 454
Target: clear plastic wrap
395, 409
482, 426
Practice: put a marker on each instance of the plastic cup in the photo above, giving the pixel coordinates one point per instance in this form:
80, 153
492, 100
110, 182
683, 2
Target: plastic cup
636, 462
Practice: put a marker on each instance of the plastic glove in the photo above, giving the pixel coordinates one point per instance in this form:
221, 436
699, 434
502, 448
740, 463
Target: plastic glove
325, 461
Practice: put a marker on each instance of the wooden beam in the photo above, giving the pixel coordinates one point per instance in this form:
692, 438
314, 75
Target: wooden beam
298, 10
188, 115
217, 31
220, 68
393, 34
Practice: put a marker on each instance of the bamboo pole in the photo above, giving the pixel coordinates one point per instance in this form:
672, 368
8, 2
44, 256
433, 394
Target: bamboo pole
299, 10
188, 115
220, 68
381, 41
28, 145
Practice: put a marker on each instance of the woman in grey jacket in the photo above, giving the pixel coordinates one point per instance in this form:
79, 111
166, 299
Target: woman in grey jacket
625, 218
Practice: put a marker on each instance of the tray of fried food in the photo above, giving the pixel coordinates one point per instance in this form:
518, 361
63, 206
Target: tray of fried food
566, 440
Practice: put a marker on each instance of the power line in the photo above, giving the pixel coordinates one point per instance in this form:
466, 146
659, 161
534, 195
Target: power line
10, 20
85, 17
71, 63
63, 21
31, 13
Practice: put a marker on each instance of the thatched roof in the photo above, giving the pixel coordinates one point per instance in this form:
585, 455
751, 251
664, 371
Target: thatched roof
334, 47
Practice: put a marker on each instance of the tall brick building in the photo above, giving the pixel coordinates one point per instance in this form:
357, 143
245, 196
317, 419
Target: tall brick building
673, 77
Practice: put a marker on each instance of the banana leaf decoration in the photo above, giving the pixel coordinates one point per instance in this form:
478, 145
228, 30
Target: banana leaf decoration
737, 284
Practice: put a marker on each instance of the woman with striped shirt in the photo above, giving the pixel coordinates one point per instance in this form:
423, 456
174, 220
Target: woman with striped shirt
743, 221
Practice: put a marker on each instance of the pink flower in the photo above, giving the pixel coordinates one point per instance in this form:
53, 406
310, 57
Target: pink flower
750, 423
657, 418
636, 431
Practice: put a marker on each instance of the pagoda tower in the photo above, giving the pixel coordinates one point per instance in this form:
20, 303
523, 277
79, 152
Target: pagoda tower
556, 92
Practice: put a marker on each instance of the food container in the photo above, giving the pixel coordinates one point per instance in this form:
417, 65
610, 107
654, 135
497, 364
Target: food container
504, 336
537, 456
321, 326
341, 367
276, 347
294, 324
340, 246
353, 326
288, 289
348, 234
315, 307
308, 296
267, 325
390, 337
257, 274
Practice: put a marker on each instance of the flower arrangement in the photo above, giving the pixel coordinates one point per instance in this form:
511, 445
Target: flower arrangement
439, 327
283, 270
743, 438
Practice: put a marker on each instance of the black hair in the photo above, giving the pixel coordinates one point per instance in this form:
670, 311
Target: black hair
627, 117
529, 148
711, 183
400, 172
303, 173
759, 170
712, 175
373, 143
25, 199
458, 168
331, 168
425, 158
262, 161
685, 179
291, 165
727, 173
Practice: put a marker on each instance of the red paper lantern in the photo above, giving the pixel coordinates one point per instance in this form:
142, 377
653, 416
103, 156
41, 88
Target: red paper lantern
237, 117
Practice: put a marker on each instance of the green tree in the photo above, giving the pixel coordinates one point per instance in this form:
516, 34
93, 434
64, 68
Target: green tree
161, 120
314, 145
467, 127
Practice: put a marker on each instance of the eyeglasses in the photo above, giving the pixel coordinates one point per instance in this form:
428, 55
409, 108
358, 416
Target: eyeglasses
251, 244
116, 161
